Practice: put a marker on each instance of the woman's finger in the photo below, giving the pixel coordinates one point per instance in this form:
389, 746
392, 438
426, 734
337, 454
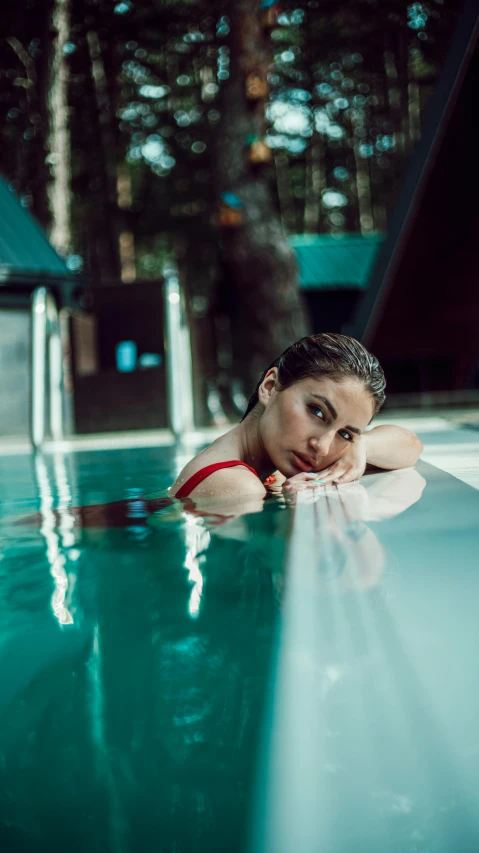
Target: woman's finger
299, 482
334, 474
301, 477
347, 477
326, 471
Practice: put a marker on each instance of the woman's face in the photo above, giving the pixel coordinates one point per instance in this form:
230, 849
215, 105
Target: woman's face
309, 425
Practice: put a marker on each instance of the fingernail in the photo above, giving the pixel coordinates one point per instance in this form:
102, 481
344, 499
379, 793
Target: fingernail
321, 482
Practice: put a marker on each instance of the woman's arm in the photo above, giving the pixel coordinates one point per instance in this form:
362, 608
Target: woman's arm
388, 447
391, 447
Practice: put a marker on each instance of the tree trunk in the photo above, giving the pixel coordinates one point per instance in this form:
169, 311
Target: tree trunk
58, 135
414, 108
403, 68
363, 188
394, 96
126, 238
262, 265
315, 184
115, 245
285, 193
31, 170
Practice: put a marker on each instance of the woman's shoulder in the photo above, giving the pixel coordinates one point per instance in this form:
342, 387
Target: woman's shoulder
223, 476
231, 480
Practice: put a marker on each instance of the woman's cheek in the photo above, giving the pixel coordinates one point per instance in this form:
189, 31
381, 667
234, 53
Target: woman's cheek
274, 451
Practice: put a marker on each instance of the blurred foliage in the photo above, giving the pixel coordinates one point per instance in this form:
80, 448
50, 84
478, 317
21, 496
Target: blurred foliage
348, 84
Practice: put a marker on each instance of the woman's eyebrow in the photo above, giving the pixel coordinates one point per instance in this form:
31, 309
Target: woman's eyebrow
353, 429
328, 404
333, 412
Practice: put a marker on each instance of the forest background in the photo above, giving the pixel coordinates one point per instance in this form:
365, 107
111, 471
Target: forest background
137, 131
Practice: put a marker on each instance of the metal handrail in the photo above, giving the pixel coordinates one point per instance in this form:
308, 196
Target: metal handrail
178, 360
45, 333
46, 338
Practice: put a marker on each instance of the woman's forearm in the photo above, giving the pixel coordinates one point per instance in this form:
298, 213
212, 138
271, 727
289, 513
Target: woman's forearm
392, 447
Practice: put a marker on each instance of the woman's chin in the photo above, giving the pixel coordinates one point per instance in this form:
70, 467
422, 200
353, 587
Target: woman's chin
287, 470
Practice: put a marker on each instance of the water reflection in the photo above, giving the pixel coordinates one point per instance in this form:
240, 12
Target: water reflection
143, 736
145, 732
356, 755
197, 542
57, 530
347, 548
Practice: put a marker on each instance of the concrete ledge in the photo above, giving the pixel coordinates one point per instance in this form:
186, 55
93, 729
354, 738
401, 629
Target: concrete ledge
112, 441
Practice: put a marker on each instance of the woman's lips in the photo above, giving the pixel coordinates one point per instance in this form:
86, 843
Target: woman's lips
302, 462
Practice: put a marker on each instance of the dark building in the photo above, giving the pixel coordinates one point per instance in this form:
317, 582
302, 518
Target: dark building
420, 315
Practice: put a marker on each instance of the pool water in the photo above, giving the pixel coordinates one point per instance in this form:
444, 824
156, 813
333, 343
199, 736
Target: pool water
304, 678
131, 698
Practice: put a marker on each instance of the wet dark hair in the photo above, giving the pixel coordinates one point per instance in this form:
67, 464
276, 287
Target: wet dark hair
336, 356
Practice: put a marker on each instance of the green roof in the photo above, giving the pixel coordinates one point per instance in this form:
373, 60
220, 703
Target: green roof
24, 248
330, 262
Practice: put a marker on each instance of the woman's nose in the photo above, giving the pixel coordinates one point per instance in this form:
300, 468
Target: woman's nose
321, 444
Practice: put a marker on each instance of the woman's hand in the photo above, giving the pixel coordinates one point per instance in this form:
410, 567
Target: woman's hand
301, 481
349, 467
386, 446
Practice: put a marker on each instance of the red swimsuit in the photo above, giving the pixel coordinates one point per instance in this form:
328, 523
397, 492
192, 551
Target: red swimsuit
203, 473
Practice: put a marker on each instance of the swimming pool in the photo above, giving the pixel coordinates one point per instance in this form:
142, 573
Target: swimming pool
300, 679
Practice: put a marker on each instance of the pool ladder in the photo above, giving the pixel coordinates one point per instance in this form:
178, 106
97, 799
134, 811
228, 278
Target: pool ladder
46, 352
46, 358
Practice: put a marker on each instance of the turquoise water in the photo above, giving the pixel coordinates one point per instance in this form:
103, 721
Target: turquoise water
129, 712
300, 679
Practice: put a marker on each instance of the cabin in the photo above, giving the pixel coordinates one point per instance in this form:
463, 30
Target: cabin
334, 273
27, 261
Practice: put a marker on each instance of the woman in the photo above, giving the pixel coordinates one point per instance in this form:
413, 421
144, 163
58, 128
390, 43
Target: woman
305, 420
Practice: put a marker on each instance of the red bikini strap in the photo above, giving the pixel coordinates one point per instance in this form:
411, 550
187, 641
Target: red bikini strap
203, 473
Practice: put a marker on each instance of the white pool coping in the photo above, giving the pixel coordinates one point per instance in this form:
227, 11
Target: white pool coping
458, 454
111, 441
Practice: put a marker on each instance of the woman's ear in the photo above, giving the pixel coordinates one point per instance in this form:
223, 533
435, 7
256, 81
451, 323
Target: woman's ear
269, 387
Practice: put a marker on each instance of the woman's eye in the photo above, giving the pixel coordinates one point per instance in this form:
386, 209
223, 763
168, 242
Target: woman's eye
317, 411
346, 435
